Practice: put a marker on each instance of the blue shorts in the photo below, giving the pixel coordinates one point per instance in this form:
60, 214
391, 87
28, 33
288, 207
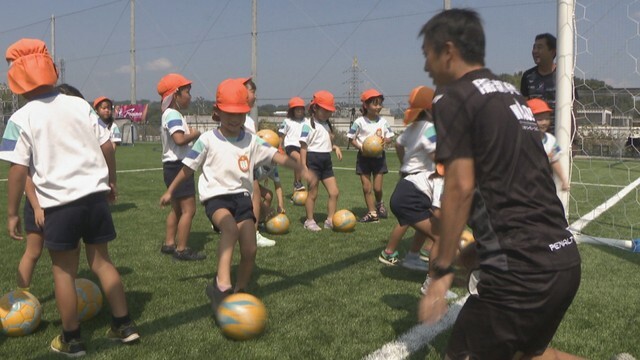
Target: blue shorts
320, 164
239, 205
368, 166
29, 217
408, 204
291, 148
88, 218
188, 187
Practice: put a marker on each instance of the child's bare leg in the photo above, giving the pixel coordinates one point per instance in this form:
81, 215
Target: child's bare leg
419, 239
332, 189
368, 194
172, 225
396, 236
229, 233
187, 212
255, 201
32, 253
312, 195
377, 187
101, 265
247, 254
65, 267
296, 174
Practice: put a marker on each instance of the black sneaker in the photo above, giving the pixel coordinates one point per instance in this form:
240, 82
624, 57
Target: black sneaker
126, 333
216, 296
297, 186
73, 348
369, 218
188, 254
168, 249
382, 211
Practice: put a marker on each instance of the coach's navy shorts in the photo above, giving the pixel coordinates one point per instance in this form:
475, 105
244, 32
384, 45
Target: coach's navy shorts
511, 312
29, 217
368, 165
409, 204
88, 218
170, 170
239, 205
320, 164
289, 149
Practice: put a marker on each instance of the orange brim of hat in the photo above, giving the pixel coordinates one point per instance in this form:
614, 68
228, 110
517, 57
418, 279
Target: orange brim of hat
411, 114
31, 71
235, 108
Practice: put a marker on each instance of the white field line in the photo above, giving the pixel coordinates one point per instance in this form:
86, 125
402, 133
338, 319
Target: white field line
581, 223
119, 172
417, 337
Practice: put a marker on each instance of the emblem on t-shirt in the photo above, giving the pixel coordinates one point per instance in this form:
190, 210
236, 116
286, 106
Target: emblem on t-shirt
243, 163
379, 132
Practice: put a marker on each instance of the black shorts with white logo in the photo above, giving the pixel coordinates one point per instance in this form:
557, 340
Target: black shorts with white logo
170, 170
239, 205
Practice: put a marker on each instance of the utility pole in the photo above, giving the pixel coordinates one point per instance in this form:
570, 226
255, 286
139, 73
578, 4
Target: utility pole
353, 90
133, 51
53, 38
254, 54
446, 4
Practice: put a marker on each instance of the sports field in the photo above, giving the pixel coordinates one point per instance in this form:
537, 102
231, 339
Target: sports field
327, 295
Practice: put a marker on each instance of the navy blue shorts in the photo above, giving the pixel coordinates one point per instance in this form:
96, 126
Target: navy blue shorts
320, 164
408, 204
289, 149
29, 217
368, 166
188, 187
239, 205
488, 328
88, 218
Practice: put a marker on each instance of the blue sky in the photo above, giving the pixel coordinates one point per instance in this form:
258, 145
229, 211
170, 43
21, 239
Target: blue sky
303, 45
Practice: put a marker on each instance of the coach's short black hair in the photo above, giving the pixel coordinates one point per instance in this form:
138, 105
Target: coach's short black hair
550, 39
463, 28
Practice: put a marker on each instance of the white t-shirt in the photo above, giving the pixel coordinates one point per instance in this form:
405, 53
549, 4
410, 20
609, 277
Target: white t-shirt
172, 121
362, 128
250, 125
227, 164
60, 137
268, 172
429, 184
291, 130
551, 147
116, 136
318, 139
419, 142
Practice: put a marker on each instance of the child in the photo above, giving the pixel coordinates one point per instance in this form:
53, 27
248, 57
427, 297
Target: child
176, 135
78, 180
104, 108
542, 113
316, 144
371, 124
414, 147
228, 156
290, 133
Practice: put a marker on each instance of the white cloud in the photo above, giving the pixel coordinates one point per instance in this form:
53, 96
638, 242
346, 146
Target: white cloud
124, 69
158, 64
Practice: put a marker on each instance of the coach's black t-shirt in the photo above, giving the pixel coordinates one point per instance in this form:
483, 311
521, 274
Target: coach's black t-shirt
534, 85
517, 218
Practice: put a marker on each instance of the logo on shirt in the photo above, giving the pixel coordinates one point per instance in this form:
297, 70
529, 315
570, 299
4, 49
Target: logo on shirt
243, 163
379, 132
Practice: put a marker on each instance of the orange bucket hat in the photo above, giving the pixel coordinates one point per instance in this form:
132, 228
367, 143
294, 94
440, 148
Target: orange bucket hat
371, 93
30, 66
170, 83
296, 102
324, 99
538, 106
100, 99
232, 97
420, 99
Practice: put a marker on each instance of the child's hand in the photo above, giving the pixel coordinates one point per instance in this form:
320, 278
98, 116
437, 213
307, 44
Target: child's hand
165, 199
281, 210
195, 132
112, 196
309, 176
39, 214
13, 225
338, 153
565, 186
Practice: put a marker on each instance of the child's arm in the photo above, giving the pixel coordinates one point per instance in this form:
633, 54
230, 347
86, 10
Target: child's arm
400, 152
32, 198
280, 197
16, 180
338, 151
355, 144
109, 154
286, 161
303, 154
557, 168
181, 138
183, 174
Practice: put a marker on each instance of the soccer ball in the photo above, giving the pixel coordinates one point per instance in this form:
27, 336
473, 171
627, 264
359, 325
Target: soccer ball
466, 239
372, 146
89, 299
270, 137
343, 221
278, 224
242, 316
20, 313
299, 197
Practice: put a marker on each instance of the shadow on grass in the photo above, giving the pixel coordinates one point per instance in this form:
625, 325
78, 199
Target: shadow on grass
198, 239
122, 207
629, 256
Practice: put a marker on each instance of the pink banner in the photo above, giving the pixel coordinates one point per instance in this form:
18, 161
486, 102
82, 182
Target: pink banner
134, 112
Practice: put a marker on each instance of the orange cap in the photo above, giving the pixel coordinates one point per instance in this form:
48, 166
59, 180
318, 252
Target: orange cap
232, 97
100, 99
30, 67
420, 99
368, 94
324, 99
538, 106
296, 102
170, 83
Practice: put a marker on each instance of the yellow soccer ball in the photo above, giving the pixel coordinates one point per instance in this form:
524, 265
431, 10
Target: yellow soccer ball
299, 197
270, 137
89, 299
242, 316
373, 146
344, 221
466, 239
20, 313
278, 224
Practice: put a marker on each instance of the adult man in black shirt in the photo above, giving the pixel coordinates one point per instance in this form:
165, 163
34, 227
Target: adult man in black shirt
529, 266
540, 80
